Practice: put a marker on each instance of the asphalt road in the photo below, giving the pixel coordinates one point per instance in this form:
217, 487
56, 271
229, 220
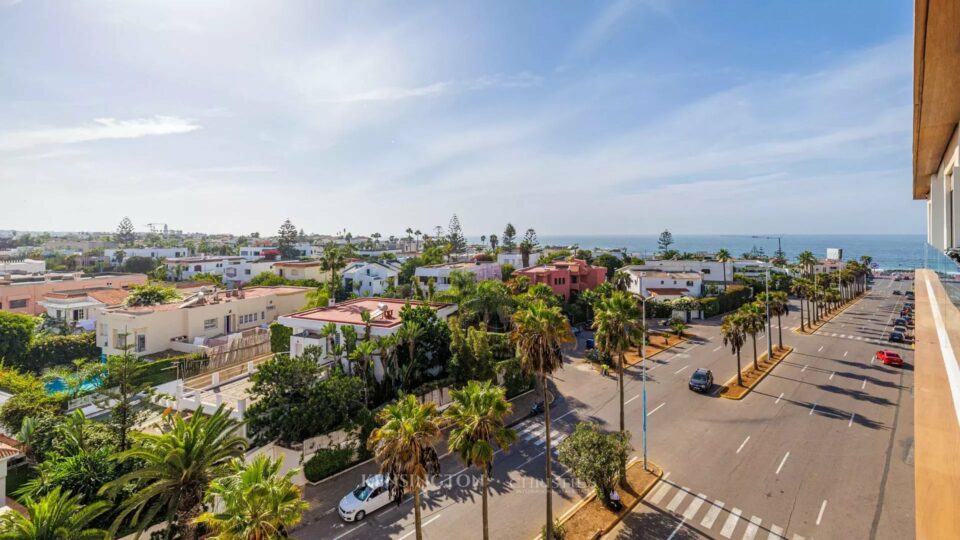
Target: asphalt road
822, 447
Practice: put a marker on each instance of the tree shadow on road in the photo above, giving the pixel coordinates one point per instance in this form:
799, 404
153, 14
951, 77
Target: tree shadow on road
858, 395
651, 522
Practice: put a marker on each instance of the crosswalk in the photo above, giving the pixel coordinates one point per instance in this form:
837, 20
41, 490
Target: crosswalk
731, 522
534, 432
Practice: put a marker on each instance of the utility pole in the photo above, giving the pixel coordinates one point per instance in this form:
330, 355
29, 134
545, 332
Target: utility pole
767, 288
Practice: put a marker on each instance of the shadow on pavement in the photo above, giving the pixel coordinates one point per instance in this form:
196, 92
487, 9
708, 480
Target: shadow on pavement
651, 523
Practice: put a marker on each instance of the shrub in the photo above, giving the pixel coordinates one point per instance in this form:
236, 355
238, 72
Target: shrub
558, 531
149, 295
16, 331
52, 351
15, 382
328, 461
33, 404
280, 338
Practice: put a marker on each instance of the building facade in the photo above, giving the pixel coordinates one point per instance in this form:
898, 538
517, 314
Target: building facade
301, 270
515, 258
369, 278
23, 294
664, 285
440, 273
118, 255
567, 278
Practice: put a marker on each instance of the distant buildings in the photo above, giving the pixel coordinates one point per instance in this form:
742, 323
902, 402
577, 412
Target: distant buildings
301, 270
440, 273
22, 294
369, 278
515, 258
118, 255
567, 278
21, 265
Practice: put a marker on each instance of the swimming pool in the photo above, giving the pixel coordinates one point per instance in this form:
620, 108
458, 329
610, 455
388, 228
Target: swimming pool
57, 385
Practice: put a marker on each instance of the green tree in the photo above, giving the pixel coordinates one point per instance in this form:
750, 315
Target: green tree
333, 260
122, 388
506, 271
255, 501
528, 245
477, 415
139, 265
665, 241
618, 323
731, 329
125, 236
489, 299
58, 515
622, 280
723, 256
280, 338
287, 238
177, 465
752, 319
779, 306
596, 457
611, 262
151, 295
494, 241
16, 333
539, 332
404, 447
509, 238
458, 243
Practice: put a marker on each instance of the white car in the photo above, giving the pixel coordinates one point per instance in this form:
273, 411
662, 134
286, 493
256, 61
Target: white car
369, 497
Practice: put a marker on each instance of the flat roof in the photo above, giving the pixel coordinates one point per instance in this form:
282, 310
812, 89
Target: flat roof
462, 264
252, 292
667, 291
349, 312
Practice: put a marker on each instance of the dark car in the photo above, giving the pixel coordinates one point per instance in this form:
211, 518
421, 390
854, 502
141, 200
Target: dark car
900, 321
701, 380
896, 337
897, 293
909, 305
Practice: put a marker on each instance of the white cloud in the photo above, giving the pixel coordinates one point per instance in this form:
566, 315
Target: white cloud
518, 80
100, 129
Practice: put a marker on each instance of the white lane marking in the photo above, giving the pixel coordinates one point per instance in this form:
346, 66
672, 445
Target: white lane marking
850, 423
425, 523
694, 506
631, 399
832, 374
731, 523
798, 537
822, 508
712, 514
682, 521
752, 528
778, 398
677, 372
782, 461
804, 368
946, 350
656, 409
718, 348
351, 531
661, 491
864, 385
744, 443
872, 359
842, 325
859, 338
820, 349
568, 413
845, 354
812, 409
677, 499
776, 532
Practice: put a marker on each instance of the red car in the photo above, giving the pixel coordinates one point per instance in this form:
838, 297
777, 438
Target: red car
889, 358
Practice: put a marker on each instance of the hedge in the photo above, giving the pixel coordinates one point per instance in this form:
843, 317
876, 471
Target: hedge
280, 338
328, 461
52, 351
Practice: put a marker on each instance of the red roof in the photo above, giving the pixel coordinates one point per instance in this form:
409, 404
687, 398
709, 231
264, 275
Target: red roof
349, 312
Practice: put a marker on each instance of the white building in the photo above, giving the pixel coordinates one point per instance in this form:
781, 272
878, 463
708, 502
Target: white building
79, 306
711, 270
664, 285
515, 258
119, 255
235, 275
254, 253
185, 268
301, 270
440, 273
21, 265
370, 278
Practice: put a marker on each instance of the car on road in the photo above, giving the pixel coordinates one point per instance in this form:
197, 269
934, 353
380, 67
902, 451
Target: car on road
889, 358
896, 337
909, 305
897, 293
370, 496
900, 321
901, 329
701, 380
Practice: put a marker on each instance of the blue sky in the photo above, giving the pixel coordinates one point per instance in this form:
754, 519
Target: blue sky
570, 117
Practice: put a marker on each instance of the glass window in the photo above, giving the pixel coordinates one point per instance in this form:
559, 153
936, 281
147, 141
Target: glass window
209, 323
18, 304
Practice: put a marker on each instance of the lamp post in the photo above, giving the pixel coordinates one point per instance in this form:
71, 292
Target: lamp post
643, 373
769, 330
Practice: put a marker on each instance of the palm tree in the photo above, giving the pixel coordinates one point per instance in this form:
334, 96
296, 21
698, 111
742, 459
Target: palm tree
477, 414
622, 280
490, 298
618, 324
404, 448
752, 319
410, 333
724, 257
387, 351
799, 288
539, 331
58, 515
733, 335
73, 379
808, 262
332, 260
256, 501
463, 284
176, 467
779, 306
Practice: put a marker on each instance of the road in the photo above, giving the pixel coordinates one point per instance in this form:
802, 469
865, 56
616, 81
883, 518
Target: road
821, 448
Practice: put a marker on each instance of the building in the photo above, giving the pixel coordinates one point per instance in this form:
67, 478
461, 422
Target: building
117, 256
440, 273
186, 268
301, 270
567, 278
369, 278
21, 265
237, 275
78, 306
711, 270
385, 320
22, 294
253, 253
664, 285
191, 321
515, 258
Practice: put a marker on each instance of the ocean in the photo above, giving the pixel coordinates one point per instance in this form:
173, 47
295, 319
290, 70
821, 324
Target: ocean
890, 252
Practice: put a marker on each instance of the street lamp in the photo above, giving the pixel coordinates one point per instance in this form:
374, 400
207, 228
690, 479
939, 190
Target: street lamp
766, 267
643, 373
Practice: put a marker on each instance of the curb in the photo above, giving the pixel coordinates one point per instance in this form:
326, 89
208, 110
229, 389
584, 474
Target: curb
763, 375
832, 316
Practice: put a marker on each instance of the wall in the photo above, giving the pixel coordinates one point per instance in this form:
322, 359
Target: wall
33, 292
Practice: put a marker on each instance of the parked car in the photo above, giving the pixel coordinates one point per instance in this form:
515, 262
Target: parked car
900, 321
896, 337
901, 329
889, 358
701, 380
368, 497
909, 305
897, 293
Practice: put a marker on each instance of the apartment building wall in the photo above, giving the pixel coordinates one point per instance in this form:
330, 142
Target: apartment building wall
23, 297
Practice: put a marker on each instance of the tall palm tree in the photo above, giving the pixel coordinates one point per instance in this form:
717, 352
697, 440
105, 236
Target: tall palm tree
733, 335
58, 515
176, 467
808, 262
798, 286
256, 501
622, 280
410, 333
404, 447
538, 333
618, 324
490, 298
752, 319
361, 355
724, 257
477, 414
387, 351
779, 306
332, 260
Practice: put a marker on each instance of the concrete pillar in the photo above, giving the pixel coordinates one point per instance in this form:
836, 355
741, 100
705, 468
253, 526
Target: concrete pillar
215, 379
242, 406
937, 209
198, 403
178, 396
250, 366
219, 400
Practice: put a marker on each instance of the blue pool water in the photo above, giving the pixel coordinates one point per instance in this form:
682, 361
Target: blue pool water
57, 385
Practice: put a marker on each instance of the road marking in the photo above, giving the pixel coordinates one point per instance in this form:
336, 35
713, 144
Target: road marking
661, 491
731, 523
822, 508
744, 443
677, 499
682, 521
752, 528
775, 532
631, 399
425, 523
564, 414
820, 349
778, 398
677, 372
804, 368
872, 359
859, 338
782, 461
694, 506
832, 373
718, 348
864, 385
656, 409
351, 531
845, 354
712, 514
798, 537
850, 423
812, 409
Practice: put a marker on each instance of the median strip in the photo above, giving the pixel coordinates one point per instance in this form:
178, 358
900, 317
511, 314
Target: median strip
752, 376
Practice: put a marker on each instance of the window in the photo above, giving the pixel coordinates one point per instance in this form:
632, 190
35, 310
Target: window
78, 314
573, 279
103, 329
689, 284
141, 342
209, 324
59, 314
247, 271
263, 315
705, 270
120, 341
18, 304
196, 268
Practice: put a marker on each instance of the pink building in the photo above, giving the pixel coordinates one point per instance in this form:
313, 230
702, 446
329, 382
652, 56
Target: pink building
22, 294
567, 278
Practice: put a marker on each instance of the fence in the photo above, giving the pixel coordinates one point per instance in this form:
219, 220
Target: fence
228, 351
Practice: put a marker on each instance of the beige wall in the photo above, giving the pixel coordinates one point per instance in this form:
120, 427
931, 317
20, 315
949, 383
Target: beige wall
310, 272
34, 292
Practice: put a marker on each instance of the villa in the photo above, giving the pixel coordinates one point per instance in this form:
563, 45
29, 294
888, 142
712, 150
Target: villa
515, 258
664, 285
78, 306
440, 273
119, 255
301, 270
369, 278
567, 278
23, 294
712, 270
